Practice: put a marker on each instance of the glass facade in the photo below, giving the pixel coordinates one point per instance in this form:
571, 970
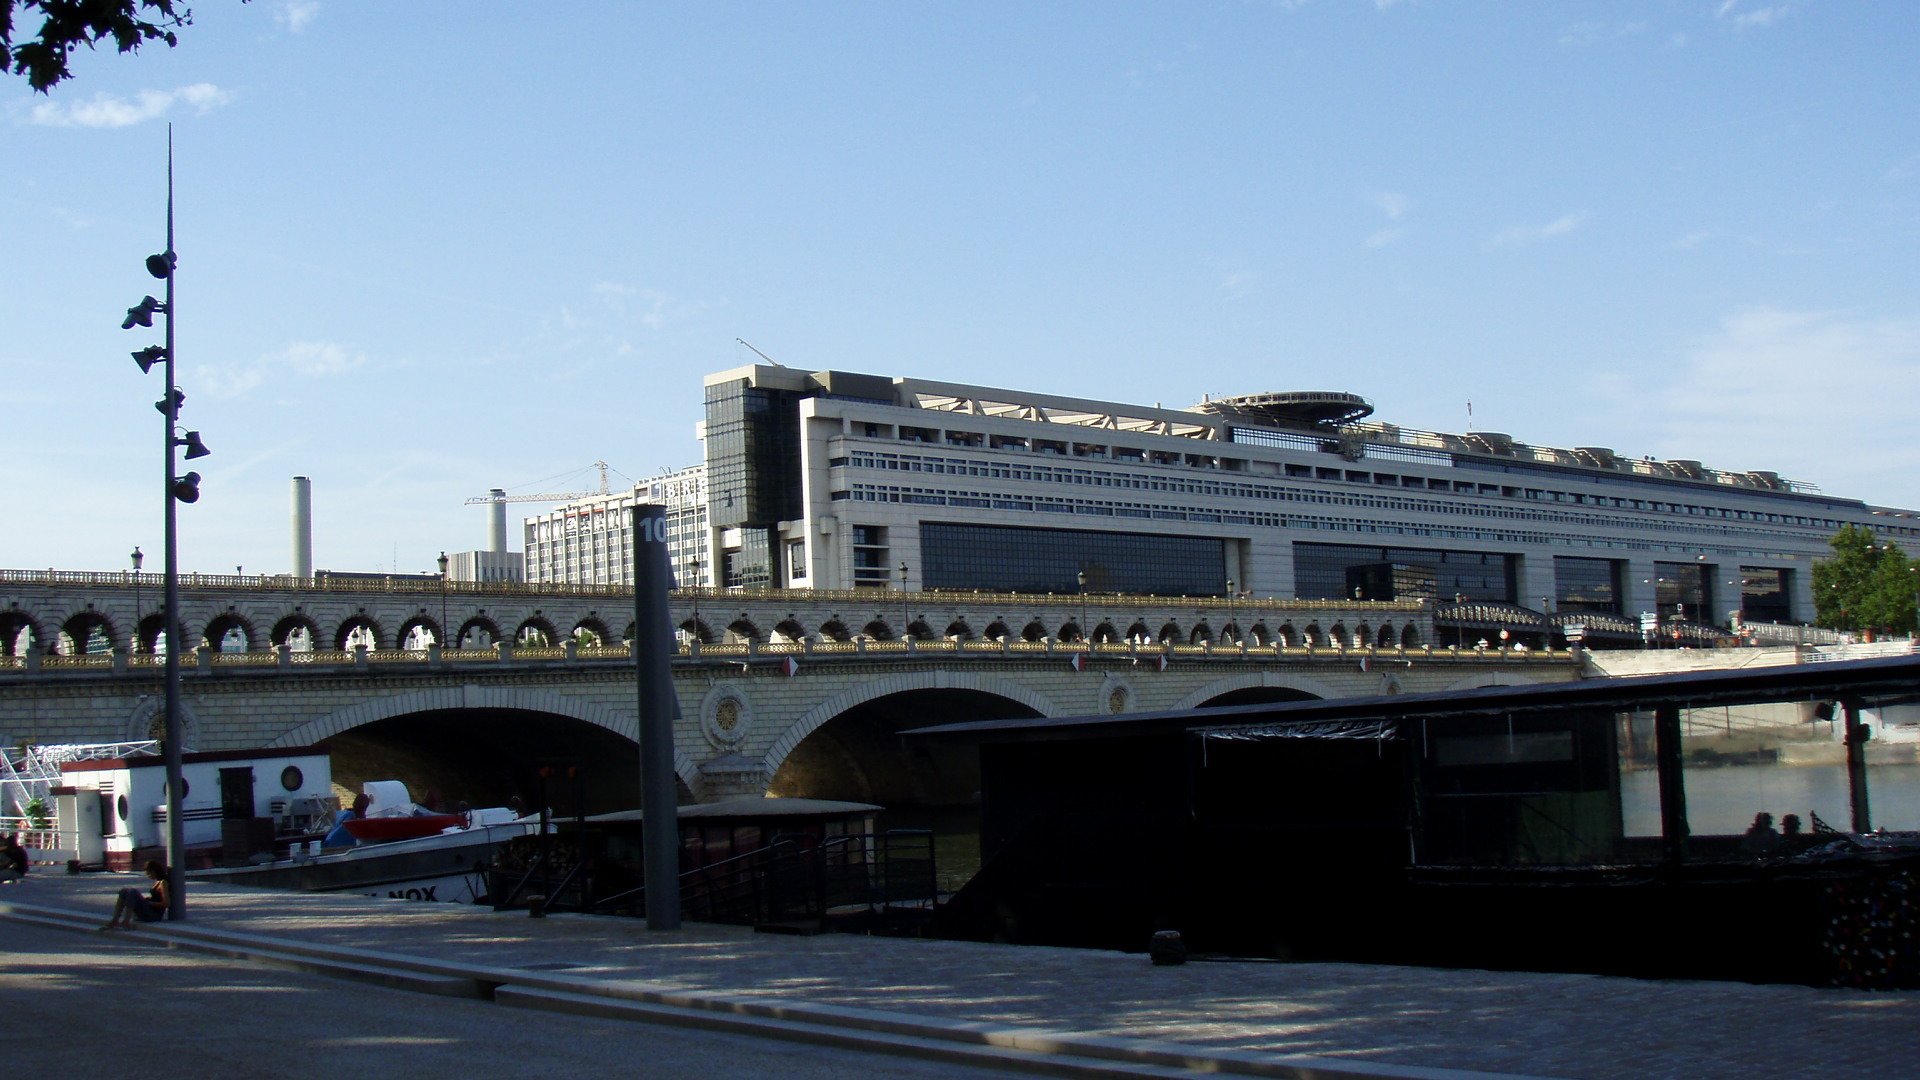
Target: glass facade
1684, 590
1007, 558
753, 455
1587, 584
1320, 570
1763, 594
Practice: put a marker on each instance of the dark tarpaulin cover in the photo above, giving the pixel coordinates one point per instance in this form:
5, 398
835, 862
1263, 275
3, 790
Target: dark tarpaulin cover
1375, 728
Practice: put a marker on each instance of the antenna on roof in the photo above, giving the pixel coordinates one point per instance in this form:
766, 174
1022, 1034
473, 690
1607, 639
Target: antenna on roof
760, 354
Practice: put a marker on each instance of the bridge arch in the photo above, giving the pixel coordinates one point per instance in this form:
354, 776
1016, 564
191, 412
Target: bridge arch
788, 631
835, 630
480, 630
1033, 631
285, 632
1069, 631
878, 630
451, 698
146, 636
918, 630
743, 630
536, 631
1201, 634
417, 632
594, 629
998, 631
1409, 636
214, 635
958, 630
1138, 633
86, 632
1243, 686
358, 628
898, 683
18, 633
1313, 635
1169, 634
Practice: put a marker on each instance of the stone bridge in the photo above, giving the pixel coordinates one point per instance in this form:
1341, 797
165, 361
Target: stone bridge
794, 692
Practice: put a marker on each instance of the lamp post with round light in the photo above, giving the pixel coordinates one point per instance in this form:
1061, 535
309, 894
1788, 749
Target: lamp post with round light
904, 634
443, 601
134, 638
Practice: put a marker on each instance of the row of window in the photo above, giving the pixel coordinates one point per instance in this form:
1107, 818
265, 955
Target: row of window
1103, 508
1220, 489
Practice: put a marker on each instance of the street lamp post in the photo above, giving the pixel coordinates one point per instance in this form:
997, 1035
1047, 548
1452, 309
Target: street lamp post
177, 489
694, 566
904, 635
1085, 634
443, 600
133, 639
1230, 584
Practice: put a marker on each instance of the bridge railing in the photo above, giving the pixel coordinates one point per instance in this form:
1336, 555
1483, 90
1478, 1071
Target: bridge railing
207, 661
434, 586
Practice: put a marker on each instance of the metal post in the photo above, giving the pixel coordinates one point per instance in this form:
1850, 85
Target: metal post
1673, 786
652, 646
176, 826
443, 601
1857, 735
903, 602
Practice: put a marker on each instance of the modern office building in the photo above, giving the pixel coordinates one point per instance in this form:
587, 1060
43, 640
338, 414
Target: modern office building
590, 541
833, 480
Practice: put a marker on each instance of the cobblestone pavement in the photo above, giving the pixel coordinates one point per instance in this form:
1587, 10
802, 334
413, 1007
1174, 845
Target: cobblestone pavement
1590, 1027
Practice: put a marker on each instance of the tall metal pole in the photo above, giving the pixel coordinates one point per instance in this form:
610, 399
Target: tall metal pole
652, 646
176, 826
1674, 828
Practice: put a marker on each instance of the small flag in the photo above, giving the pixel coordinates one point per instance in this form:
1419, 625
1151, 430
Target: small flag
1160, 662
790, 666
1078, 661
1363, 663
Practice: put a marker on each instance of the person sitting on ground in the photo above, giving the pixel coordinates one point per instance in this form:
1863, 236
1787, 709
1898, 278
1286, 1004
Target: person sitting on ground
14, 863
131, 904
339, 837
1761, 836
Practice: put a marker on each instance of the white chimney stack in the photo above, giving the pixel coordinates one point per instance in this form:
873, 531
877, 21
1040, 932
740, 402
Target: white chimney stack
302, 527
497, 522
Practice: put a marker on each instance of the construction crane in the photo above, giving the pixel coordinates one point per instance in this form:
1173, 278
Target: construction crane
548, 496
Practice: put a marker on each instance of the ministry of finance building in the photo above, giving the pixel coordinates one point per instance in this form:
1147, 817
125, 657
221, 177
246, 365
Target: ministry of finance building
833, 480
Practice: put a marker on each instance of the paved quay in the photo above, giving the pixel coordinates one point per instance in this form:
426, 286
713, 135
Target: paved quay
1349, 1016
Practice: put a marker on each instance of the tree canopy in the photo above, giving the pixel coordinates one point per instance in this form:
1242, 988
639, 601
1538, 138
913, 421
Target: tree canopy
67, 23
1865, 585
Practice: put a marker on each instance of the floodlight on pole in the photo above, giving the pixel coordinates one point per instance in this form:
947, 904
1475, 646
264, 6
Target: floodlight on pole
141, 314
178, 489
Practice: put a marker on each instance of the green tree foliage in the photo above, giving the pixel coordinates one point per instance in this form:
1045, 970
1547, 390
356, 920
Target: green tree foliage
67, 23
1865, 585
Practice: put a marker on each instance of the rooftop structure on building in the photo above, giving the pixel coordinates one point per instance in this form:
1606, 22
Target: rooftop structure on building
834, 480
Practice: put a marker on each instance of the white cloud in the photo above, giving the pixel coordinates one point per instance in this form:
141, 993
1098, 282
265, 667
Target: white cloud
1828, 397
1383, 237
1758, 17
1392, 203
1520, 235
110, 111
307, 359
296, 15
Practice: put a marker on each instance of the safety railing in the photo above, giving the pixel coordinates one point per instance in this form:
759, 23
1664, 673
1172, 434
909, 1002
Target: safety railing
828, 651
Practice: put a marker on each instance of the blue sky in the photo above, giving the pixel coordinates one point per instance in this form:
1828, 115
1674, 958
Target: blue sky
432, 248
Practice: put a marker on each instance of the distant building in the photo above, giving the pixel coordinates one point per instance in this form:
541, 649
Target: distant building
834, 480
485, 566
590, 541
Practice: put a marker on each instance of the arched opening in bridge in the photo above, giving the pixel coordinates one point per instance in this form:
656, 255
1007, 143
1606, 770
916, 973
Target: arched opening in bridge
788, 632
297, 632
536, 633
483, 757
478, 632
1258, 695
228, 633
151, 635
859, 756
17, 633
356, 632
590, 632
87, 632
417, 633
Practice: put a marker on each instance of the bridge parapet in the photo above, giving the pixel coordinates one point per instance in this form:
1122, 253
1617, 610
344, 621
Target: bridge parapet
81, 612
693, 654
